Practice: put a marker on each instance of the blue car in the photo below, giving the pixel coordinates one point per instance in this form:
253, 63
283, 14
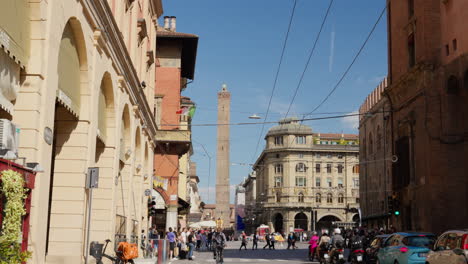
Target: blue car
406, 248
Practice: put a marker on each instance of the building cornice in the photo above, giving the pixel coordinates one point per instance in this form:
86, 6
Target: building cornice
101, 17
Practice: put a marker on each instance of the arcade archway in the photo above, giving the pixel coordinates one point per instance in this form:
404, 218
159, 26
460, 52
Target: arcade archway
300, 221
278, 222
326, 222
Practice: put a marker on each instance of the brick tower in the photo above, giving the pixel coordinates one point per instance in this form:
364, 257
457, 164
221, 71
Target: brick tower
222, 158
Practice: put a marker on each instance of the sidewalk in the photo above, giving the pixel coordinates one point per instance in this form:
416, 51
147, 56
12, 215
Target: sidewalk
145, 261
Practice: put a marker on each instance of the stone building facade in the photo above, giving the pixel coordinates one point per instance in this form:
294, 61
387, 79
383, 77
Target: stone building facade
306, 180
80, 86
250, 201
376, 158
427, 94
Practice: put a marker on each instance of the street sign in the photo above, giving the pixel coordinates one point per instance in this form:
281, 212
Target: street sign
92, 178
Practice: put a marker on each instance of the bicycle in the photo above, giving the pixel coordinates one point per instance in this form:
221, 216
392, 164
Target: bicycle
98, 251
219, 254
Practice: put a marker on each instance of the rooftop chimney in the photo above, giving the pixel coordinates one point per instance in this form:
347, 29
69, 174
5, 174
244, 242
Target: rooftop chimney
166, 22
173, 23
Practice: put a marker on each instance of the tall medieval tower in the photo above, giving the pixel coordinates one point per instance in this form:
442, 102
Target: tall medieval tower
223, 211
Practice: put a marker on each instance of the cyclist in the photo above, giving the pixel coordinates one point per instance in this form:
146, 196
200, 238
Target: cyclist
219, 242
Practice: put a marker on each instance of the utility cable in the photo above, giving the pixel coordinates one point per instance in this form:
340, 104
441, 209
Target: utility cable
310, 57
276, 76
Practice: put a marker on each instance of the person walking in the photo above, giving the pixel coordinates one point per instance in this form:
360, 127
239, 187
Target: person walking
244, 241
290, 240
255, 241
293, 242
267, 238
272, 241
191, 244
313, 245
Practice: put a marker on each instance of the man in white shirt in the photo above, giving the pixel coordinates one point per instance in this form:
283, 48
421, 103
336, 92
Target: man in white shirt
184, 235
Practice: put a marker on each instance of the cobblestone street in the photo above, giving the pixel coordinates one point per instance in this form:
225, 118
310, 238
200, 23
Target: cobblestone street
233, 255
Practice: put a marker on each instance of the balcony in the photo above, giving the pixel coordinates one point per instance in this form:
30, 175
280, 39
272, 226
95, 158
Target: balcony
174, 141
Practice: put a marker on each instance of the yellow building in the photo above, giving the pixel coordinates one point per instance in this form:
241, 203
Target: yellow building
305, 180
78, 80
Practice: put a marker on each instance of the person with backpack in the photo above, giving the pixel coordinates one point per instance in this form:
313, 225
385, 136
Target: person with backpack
323, 244
290, 240
219, 242
255, 241
267, 238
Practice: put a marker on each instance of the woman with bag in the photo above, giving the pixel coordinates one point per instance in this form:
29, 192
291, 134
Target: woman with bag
244, 241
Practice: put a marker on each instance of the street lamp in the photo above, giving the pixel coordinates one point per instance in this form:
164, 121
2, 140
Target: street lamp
255, 116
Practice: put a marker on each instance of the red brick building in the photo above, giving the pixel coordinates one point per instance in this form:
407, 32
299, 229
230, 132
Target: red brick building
428, 94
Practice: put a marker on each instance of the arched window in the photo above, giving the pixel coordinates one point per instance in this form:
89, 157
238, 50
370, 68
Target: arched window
278, 197
356, 169
379, 138
318, 198
301, 198
278, 168
340, 198
340, 183
452, 85
300, 167
371, 144
329, 198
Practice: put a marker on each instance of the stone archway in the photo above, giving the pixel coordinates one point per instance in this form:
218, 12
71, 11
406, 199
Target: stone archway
71, 123
278, 223
300, 221
326, 222
356, 218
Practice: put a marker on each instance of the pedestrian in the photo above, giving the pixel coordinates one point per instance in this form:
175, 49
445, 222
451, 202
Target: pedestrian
293, 241
290, 239
172, 241
313, 245
255, 241
243, 240
267, 239
272, 241
209, 239
199, 240
191, 244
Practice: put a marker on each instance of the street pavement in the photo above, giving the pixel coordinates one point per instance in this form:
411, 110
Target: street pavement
233, 255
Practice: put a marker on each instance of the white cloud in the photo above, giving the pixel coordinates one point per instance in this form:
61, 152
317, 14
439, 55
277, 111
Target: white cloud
351, 122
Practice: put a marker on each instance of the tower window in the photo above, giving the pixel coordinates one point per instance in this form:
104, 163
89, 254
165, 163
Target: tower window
411, 51
279, 140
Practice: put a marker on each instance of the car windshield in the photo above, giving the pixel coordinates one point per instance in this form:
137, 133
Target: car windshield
419, 241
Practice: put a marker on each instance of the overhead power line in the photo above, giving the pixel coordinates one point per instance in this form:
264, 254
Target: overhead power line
310, 57
351, 64
276, 75
271, 122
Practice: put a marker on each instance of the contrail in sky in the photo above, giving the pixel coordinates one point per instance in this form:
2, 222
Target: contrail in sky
332, 49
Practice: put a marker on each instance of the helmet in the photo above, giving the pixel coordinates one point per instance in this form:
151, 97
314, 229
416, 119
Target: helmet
337, 231
326, 232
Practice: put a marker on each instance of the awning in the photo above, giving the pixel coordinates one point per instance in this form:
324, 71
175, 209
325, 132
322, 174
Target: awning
102, 116
68, 93
14, 30
9, 81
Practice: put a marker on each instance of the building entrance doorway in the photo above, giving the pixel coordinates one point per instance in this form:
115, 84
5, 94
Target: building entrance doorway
300, 221
278, 223
327, 223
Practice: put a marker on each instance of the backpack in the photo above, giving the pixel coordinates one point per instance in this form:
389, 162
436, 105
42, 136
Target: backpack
219, 239
129, 250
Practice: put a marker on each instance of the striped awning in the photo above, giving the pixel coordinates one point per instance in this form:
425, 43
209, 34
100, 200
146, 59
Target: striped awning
14, 30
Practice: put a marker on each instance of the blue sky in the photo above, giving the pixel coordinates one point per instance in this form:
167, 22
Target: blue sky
240, 45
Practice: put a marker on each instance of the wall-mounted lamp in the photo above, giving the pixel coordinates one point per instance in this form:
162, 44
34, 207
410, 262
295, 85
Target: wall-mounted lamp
7, 154
145, 176
34, 166
139, 167
129, 151
143, 84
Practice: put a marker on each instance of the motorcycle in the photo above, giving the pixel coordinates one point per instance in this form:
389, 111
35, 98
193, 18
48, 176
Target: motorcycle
357, 256
324, 255
338, 256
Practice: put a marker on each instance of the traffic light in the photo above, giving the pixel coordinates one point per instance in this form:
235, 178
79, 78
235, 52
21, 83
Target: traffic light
390, 205
396, 206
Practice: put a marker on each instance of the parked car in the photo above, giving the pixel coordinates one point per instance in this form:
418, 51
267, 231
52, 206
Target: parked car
406, 248
373, 249
451, 247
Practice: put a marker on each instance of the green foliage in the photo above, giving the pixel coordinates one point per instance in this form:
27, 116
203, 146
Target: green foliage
12, 188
